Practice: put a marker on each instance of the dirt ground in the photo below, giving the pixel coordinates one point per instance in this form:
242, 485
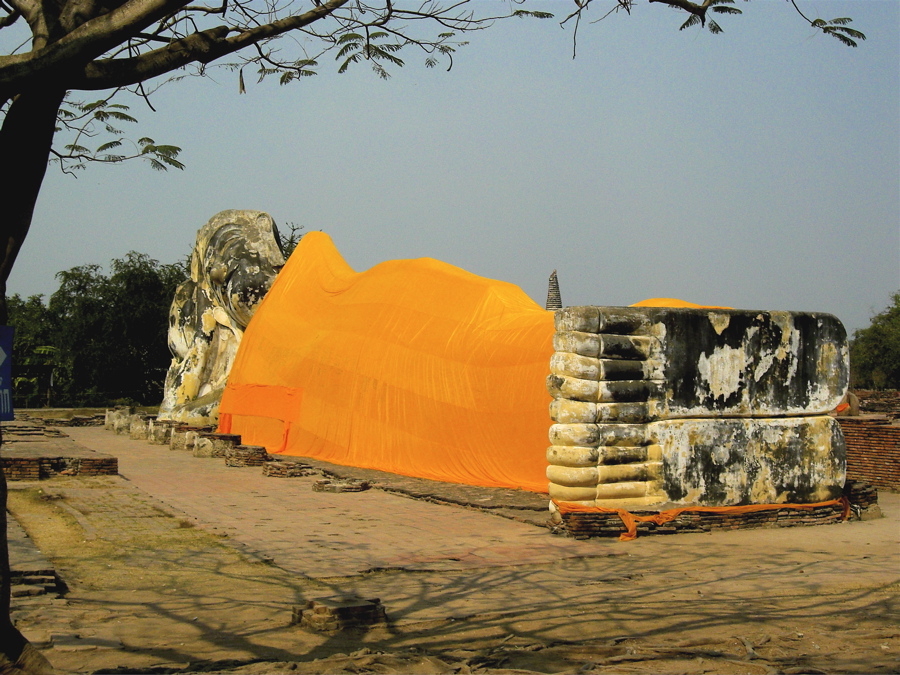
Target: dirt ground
162, 595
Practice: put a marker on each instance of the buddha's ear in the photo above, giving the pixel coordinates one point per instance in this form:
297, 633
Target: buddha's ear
217, 274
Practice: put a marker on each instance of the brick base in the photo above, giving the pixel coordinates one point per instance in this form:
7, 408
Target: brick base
246, 455
282, 469
862, 496
38, 468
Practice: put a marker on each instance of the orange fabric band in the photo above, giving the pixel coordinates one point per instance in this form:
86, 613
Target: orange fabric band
630, 520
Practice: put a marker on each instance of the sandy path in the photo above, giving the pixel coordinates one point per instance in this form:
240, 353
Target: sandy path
151, 589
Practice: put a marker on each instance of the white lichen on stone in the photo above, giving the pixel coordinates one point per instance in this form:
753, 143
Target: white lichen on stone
721, 371
719, 321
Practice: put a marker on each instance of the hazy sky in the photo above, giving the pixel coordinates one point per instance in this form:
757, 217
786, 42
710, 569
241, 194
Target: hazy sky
758, 169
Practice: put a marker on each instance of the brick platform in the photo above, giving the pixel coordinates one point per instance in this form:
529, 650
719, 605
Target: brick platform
585, 525
32, 450
19, 466
862, 496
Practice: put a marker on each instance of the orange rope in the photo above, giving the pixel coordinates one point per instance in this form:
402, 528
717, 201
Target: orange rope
630, 520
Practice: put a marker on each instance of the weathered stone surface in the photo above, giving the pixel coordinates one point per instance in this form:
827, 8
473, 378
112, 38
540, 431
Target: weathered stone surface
696, 406
159, 431
333, 614
751, 461
286, 469
208, 444
754, 363
340, 485
235, 260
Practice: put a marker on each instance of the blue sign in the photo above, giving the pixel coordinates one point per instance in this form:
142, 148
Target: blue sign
6, 344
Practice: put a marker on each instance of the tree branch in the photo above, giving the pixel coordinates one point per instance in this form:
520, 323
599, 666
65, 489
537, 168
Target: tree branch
87, 41
201, 47
26, 8
9, 19
209, 10
688, 6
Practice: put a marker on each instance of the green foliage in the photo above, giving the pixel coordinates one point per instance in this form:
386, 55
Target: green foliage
161, 157
85, 122
522, 13
840, 30
355, 47
100, 338
837, 28
875, 351
33, 354
289, 242
717, 6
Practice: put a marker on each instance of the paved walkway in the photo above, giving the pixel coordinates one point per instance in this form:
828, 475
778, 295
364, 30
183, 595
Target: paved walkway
811, 598
323, 534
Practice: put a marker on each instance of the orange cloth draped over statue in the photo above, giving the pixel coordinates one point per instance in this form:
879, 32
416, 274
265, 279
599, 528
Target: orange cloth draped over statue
414, 367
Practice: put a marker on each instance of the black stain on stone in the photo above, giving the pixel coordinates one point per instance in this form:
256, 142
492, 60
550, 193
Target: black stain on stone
783, 383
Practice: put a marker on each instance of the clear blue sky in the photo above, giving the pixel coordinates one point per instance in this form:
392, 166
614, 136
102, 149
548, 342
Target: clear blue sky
759, 168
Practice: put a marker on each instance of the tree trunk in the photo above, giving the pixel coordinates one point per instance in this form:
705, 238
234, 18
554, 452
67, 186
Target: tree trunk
25, 141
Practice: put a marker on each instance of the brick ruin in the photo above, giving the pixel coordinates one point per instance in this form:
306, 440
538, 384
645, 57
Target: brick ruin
873, 449
28, 456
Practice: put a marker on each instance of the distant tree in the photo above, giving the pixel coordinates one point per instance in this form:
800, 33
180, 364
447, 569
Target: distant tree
291, 239
33, 350
101, 338
875, 351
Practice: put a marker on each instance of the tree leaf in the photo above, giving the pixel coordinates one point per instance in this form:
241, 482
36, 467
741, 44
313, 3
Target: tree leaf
840, 36
522, 13
346, 49
109, 146
122, 117
379, 69
351, 59
851, 32
693, 20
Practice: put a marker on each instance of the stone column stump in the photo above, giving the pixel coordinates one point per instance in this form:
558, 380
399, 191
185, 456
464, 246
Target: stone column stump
338, 613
